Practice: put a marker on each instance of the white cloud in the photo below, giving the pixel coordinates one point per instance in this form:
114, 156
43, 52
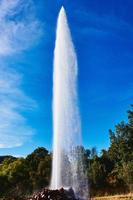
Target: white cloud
19, 30
14, 130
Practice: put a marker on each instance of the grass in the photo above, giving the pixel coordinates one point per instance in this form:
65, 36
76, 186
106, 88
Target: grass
116, 197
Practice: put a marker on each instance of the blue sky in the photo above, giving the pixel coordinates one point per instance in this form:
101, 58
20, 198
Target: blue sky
102, 33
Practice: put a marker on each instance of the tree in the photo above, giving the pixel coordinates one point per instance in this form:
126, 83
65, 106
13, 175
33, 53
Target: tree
39, 164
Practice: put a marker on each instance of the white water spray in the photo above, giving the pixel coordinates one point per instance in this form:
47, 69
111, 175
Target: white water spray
67, 168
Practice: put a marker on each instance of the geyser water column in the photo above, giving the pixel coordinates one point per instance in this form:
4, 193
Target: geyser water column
67, 168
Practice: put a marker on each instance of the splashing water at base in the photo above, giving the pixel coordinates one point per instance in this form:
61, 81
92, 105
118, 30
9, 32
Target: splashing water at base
67, 168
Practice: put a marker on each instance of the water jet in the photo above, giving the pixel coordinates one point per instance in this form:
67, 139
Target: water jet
68, 167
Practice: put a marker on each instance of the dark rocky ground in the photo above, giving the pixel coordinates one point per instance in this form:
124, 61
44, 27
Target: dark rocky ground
60, 194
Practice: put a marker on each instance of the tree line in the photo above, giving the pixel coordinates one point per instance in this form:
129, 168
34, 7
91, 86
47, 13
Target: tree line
111, 172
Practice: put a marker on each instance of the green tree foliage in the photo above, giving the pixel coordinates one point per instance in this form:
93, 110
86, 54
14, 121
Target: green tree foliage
112, 171
39, 165
21, 176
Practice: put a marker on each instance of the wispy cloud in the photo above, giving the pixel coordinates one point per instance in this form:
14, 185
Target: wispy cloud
19, 30
104, 24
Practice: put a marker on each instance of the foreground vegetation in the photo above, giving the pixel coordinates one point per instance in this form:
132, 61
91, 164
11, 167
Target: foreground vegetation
109, 173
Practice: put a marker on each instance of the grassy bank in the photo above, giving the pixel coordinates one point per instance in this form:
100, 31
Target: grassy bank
116, 197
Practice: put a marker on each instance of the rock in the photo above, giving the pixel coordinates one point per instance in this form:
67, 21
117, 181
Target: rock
47, 194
